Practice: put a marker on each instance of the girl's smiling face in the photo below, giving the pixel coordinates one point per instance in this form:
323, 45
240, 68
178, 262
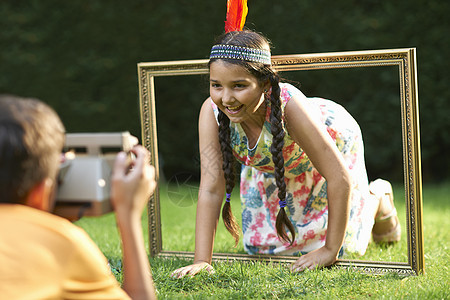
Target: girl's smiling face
235, 91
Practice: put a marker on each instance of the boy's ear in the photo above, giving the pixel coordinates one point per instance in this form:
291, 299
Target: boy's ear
39, 195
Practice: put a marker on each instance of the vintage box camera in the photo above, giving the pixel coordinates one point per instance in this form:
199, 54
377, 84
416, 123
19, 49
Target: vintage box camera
84, 177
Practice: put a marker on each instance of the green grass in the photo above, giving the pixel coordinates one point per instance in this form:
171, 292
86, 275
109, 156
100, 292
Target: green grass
258, 280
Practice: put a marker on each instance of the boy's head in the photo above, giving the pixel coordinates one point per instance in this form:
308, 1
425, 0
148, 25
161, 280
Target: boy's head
31, 141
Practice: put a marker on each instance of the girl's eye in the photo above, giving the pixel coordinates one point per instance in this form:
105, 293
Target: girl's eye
239, 86
215, 85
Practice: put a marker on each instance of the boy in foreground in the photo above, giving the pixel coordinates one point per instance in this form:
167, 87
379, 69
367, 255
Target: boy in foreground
43, 256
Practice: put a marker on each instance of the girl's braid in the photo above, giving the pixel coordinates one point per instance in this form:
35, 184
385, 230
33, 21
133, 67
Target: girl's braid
277, 155
228, 168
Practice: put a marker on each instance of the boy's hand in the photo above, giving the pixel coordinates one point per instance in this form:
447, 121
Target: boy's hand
132, 182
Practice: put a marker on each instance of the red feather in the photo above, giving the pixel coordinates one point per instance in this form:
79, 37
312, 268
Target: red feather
236, 13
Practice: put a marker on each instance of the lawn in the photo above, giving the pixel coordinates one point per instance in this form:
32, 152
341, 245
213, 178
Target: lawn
257, 280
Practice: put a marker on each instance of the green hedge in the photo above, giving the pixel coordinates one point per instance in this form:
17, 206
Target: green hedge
81, 56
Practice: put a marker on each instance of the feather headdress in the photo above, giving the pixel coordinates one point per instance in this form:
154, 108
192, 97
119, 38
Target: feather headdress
236, 13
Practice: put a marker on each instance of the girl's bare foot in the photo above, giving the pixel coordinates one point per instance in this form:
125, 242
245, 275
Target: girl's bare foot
387, 226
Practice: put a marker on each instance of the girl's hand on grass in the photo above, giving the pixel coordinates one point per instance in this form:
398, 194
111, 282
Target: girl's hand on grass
192, 270
318, 258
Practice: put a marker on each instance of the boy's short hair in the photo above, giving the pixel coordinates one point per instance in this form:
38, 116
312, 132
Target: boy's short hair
31, 141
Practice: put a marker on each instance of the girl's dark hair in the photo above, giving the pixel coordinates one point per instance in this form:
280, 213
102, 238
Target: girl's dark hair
263, 73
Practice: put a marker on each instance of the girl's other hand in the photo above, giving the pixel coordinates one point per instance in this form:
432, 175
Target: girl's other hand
192, 270
318, 258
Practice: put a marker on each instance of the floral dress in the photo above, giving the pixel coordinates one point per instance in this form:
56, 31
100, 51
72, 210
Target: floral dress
307, 205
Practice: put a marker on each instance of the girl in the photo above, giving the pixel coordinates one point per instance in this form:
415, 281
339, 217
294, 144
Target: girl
302, 166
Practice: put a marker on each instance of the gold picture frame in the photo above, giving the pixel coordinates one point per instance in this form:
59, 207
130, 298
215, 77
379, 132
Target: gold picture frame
404, 59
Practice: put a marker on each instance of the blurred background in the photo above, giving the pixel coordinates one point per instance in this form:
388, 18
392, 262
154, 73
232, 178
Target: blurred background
81, 58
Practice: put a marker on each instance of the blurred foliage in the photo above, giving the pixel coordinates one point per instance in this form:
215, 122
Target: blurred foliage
81, 57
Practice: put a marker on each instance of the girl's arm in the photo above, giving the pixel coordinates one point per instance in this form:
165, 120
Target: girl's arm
211, 193
326, 158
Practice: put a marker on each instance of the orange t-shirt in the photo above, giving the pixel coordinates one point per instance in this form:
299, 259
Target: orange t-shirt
43, 256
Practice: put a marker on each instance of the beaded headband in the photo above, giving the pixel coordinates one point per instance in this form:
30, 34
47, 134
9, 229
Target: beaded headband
240, 53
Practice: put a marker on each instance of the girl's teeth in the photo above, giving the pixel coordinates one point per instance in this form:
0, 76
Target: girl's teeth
234, 109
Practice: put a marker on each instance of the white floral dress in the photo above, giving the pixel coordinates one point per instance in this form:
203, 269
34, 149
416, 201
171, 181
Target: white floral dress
307, 204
